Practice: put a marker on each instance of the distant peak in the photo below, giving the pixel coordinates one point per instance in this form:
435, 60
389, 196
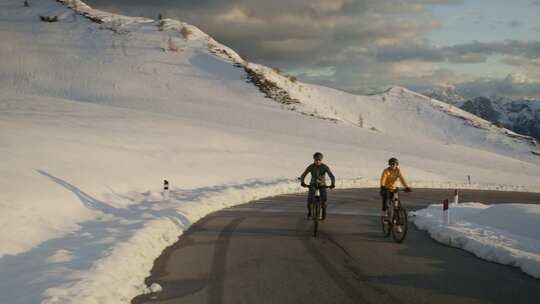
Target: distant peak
446, 93
395, 89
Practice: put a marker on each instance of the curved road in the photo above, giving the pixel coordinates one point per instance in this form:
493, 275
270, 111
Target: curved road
263, 252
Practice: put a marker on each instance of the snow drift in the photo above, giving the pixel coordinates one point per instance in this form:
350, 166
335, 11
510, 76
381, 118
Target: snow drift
506, 234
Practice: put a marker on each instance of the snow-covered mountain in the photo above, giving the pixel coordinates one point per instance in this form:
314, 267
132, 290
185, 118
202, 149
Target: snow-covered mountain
521, 116
98, 109
446, 93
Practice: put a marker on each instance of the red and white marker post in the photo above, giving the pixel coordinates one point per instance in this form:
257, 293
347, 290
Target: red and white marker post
445, 212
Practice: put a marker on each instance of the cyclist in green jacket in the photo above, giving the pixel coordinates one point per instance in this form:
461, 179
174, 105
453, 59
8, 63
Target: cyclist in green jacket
318, 170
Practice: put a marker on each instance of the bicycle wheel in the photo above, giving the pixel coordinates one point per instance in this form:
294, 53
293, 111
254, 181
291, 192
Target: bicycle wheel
399, 229
317, 213
386, 224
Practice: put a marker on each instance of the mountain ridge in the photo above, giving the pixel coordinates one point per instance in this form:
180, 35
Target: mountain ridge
519, 115
270, 82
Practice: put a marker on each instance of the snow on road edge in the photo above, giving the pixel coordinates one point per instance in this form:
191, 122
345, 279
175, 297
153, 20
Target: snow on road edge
119, 276
491, 243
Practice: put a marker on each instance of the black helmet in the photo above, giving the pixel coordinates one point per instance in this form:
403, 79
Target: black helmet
317, 155
393, 161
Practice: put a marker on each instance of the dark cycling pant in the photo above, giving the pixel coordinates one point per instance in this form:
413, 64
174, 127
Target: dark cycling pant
311, 196
387, 195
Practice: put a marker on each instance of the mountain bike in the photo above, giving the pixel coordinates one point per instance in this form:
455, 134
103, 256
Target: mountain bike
395, 221
316, 208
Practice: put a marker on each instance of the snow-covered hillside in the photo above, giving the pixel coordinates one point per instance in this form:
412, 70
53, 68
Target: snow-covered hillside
97, 110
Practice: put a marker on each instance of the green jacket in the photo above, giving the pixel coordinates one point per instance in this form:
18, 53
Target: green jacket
317, 174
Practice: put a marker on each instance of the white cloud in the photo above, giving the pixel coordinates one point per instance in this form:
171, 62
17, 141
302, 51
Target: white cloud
413, 69
236, 15
515, 85
325, 6
364, 43
520, 79
292, 45
521, 61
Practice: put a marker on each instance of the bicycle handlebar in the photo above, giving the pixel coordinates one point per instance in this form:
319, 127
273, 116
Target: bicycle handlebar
315, 186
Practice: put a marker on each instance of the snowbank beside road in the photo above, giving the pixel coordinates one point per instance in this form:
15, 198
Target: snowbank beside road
152, 224
506, 233
118, 277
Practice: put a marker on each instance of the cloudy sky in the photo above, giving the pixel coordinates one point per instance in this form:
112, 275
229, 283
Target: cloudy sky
480, 46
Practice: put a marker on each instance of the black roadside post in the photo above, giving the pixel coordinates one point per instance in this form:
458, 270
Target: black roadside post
165, 189
446, 217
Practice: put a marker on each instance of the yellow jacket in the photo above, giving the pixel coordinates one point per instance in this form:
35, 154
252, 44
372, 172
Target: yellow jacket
389, 178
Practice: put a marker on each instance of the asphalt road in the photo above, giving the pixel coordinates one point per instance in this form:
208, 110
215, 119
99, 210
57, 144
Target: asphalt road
263, 252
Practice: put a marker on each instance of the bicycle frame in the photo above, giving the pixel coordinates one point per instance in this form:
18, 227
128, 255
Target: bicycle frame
316, 203
396, 222
393, 204
316, 208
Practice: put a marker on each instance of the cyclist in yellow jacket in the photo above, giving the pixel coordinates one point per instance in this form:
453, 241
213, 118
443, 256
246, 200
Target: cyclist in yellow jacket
389, 179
